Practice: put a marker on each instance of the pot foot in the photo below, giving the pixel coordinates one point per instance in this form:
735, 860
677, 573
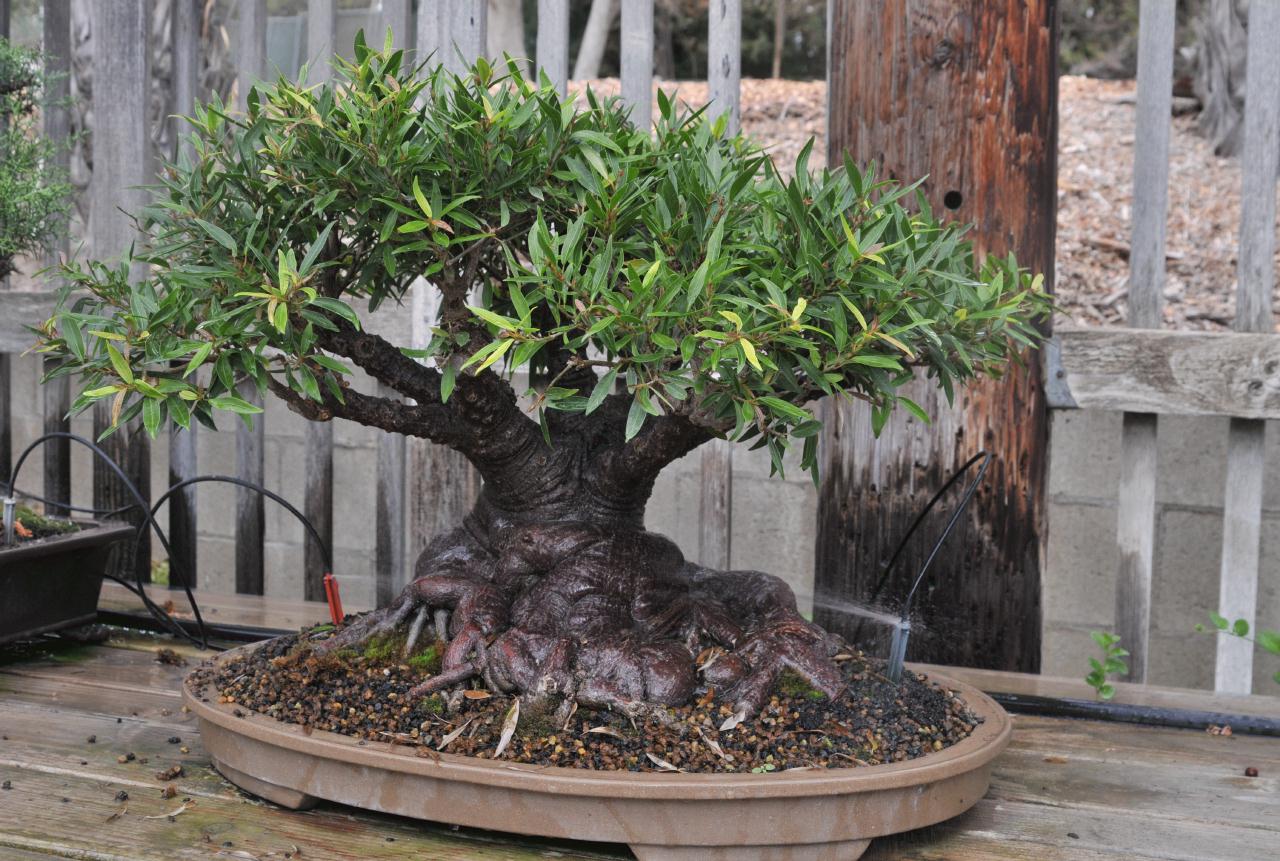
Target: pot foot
281, 795
841, 850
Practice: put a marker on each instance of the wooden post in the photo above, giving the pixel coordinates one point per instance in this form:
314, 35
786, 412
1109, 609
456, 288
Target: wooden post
467, 29
552, 49
318, 502
121, 167
724, 59
1242, 509
969, 98
251, 44
250, 505
251, 38
395, 14
6, 434
183, 528
1136, 509
390, 565
57, 129
320, 27
637, 60
724, 64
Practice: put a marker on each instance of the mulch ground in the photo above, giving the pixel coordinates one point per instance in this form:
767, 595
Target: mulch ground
365, 696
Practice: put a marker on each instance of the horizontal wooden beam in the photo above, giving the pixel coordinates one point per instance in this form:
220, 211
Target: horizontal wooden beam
1169, 373
19, 309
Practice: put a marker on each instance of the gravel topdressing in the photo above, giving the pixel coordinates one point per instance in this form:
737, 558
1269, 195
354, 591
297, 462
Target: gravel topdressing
365, 696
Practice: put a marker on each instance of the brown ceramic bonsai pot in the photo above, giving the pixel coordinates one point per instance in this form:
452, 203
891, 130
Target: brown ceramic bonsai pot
787, 816
53, 583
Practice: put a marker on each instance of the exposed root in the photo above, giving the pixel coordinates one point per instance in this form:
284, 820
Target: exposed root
606, 618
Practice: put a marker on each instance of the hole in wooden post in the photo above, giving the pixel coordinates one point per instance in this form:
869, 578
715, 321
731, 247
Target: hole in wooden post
952, 199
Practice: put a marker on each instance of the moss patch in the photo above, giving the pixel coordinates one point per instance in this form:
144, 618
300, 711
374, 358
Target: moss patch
792, 684
428, 661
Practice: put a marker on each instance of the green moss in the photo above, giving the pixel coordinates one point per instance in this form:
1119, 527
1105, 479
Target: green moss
433, 704
42, 527
538, 717
792, 684
384, 649
428, 661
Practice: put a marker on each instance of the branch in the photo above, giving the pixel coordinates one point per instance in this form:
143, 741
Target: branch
429, 421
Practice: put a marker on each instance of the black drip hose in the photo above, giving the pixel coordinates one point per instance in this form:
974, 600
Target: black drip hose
985, 458
149, 519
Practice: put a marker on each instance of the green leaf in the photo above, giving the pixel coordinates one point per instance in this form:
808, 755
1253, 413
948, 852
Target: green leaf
422, 199
197, 359
233, 404
635, 418
123, 371
1219, 621
1240, 628
218, 235
334, 306
448, 379
915, 409
1269, 640
749, 350
151, 416
602, 390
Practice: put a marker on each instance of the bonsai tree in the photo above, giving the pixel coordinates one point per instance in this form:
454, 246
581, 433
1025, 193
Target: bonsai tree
660, 288
33, 190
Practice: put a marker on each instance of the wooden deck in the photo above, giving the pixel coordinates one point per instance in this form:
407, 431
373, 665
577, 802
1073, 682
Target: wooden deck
1066, 789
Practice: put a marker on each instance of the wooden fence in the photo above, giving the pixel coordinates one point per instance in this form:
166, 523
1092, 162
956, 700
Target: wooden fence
422, 488
1147, 373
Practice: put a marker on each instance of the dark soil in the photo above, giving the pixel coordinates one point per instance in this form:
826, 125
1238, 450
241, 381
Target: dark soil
363, 695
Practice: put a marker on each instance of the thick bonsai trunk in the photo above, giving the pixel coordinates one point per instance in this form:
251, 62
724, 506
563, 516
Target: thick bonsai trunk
557, 590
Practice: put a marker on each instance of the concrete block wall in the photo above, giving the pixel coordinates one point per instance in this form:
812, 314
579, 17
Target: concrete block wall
1080, 571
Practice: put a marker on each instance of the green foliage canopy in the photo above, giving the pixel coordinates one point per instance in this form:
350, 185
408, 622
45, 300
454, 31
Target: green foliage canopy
675, 264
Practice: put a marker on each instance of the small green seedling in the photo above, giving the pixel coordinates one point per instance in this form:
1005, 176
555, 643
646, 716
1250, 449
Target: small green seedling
1267, 639
1112, 663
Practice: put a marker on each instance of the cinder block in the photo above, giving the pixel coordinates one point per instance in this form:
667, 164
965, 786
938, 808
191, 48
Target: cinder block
354, 500
1191, 454
1065, 649
1084, 453
773, 530
1182, 660
1078, 582
216, 557
1188, 561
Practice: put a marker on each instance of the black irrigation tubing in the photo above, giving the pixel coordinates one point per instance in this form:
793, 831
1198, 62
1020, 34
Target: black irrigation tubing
230, 479
985, 457
203, 640
1137, 714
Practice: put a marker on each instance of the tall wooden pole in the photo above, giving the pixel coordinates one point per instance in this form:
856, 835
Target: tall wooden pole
965, 93
6, 440
183, 531
121, 167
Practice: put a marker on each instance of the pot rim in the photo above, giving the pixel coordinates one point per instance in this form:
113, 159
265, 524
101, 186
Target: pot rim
987, 740
91, 533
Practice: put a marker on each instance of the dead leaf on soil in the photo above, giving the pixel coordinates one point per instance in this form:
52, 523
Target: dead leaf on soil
661, 763
508, 728
715, 746
607, 730
476, 695
444, 742
180, 809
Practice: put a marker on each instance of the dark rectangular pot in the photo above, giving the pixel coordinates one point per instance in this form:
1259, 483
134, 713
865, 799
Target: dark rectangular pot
53, 583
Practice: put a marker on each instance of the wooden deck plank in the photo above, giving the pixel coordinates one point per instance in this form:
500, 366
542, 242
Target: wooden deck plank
1132, 743
67, 814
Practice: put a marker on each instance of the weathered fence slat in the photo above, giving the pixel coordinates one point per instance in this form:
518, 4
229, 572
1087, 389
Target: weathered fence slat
552, 49
317, 506
6, 438
320, 28
250, 506
57, 127
183, 527
251, 44
390, 565
1170, 372
121, 168
1136, 516
637, 60
467, 27
1242, 506
724, 72
396, 16
724, 60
